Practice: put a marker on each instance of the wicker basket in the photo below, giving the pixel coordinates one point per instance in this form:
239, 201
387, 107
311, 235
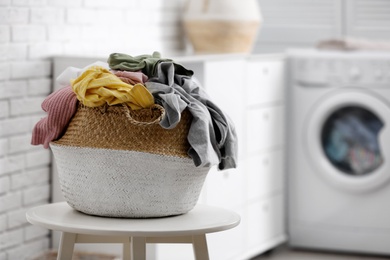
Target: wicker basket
221, 36
222, 26
120, 163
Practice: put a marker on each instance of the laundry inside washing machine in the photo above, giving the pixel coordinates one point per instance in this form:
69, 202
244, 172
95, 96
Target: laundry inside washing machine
350, 140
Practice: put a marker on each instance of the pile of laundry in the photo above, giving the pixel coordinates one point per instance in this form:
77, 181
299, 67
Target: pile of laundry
351, 141
140, 82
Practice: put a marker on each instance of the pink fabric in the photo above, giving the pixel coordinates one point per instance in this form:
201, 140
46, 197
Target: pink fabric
131, 77
60, 106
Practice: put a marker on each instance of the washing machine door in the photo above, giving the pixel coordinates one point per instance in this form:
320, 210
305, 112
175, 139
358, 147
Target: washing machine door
348, 140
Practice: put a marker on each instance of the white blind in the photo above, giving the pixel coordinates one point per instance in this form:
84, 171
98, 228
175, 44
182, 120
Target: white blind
303, 23
300, 13
297, 22
368, 18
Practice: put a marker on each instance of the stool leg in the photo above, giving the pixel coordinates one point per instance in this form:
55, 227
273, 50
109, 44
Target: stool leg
199, 245
65, 251
127, 250
138, 248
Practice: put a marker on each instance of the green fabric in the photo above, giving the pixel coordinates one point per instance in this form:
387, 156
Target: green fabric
146, 63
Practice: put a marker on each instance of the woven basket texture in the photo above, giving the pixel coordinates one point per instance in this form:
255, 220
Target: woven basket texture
116, 162
119, 183
118, 127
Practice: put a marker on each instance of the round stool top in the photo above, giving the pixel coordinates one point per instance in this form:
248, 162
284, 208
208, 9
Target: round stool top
200, 220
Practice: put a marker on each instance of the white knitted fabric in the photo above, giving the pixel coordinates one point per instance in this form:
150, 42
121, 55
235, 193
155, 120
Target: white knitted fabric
119, 183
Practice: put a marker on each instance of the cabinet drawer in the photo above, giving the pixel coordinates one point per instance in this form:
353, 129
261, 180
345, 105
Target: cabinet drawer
265, 82
225, 189
265, 128
265, 174
265, 220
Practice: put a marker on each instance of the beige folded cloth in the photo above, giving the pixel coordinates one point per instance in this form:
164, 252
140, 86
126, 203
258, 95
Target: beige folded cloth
351, 44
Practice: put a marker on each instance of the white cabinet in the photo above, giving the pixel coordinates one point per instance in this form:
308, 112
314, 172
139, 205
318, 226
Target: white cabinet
265, 174
265, 82
264, 129
250, 89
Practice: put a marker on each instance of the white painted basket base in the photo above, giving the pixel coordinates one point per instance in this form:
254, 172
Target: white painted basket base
119, 183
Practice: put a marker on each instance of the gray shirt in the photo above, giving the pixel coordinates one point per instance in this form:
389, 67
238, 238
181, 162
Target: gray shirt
212, 135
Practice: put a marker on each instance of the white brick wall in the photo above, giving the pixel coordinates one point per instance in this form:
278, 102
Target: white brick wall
40, 87
11, 200
3, 222
4, 111
31, 32
30, 69
28, 250
11, 89
5, 71
11, 238
5, 35
4, 185
28, 33
3, 147
13, 15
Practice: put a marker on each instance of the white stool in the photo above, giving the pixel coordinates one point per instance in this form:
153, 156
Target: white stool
77, 227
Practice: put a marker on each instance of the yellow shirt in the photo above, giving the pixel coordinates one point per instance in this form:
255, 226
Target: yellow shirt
97, 86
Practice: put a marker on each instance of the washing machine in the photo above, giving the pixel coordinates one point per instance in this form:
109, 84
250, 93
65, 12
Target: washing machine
338, 154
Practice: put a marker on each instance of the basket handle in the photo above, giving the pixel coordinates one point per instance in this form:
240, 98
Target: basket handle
153, 107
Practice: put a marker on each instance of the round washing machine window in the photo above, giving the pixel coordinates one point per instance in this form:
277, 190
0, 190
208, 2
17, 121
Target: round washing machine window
346, 139
349, 138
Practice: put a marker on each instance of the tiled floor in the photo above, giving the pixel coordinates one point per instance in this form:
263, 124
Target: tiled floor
285, 253
279, 253
52, 255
